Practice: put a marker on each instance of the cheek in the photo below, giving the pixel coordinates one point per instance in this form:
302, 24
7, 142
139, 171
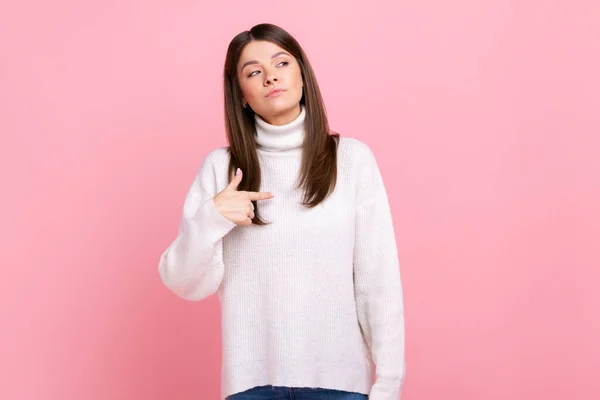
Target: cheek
250, 89
295, 78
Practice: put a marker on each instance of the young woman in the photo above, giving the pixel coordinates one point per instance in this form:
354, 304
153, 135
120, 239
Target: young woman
290, 225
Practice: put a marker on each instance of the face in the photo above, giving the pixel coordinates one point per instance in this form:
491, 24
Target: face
265, 66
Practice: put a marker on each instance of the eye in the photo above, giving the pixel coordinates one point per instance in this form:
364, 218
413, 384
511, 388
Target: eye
252, 73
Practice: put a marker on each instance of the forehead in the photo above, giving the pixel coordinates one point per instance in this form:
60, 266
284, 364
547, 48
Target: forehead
259, 50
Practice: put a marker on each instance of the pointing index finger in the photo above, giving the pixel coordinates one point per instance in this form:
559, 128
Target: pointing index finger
260, 195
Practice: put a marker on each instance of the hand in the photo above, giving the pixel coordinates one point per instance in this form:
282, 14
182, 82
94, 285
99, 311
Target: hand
236, 205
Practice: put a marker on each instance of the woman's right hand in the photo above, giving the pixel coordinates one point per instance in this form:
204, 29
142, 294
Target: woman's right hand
236, 205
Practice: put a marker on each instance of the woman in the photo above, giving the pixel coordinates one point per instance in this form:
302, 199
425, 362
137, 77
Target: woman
290, 225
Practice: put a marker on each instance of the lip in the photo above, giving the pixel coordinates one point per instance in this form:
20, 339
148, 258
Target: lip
275, 92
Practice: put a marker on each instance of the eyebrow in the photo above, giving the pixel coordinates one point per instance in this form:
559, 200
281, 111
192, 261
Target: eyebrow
256, 62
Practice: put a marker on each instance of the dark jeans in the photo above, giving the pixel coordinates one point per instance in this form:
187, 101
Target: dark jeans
270, 392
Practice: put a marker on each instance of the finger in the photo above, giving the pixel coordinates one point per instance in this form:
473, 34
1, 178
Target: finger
260, 195
235, 181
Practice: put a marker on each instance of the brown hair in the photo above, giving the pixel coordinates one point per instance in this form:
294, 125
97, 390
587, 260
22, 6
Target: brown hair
318, 172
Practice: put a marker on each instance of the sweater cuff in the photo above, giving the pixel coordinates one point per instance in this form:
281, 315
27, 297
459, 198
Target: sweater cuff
213, 223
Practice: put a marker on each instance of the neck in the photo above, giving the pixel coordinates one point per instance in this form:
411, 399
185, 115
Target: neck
276, 138
283, 117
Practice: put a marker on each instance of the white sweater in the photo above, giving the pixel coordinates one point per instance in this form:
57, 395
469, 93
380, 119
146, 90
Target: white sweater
315, 298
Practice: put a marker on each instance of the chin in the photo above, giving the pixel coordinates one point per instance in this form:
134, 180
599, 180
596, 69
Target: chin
276, 108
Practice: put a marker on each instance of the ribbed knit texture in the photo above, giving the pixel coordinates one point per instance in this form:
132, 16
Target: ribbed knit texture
312, 300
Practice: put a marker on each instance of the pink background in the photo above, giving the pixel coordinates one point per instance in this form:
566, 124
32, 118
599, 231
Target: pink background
484, 117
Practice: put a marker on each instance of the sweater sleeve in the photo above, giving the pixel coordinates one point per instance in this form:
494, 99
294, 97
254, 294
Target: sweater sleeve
192, 265
377, 283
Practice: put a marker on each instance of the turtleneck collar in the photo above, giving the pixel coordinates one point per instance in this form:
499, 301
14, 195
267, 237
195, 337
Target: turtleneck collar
280, 137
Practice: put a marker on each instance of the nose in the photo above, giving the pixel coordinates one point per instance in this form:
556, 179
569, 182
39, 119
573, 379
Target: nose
271, 79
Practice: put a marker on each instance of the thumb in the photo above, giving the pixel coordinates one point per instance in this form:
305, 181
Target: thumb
236, 180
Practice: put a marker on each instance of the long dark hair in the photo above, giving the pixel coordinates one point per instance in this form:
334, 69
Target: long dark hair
318, 172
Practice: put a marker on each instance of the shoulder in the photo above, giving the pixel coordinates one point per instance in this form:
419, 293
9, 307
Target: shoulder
358, 157
216, 159
217, 156
352, 143
354, 146
353, 151
212, 169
